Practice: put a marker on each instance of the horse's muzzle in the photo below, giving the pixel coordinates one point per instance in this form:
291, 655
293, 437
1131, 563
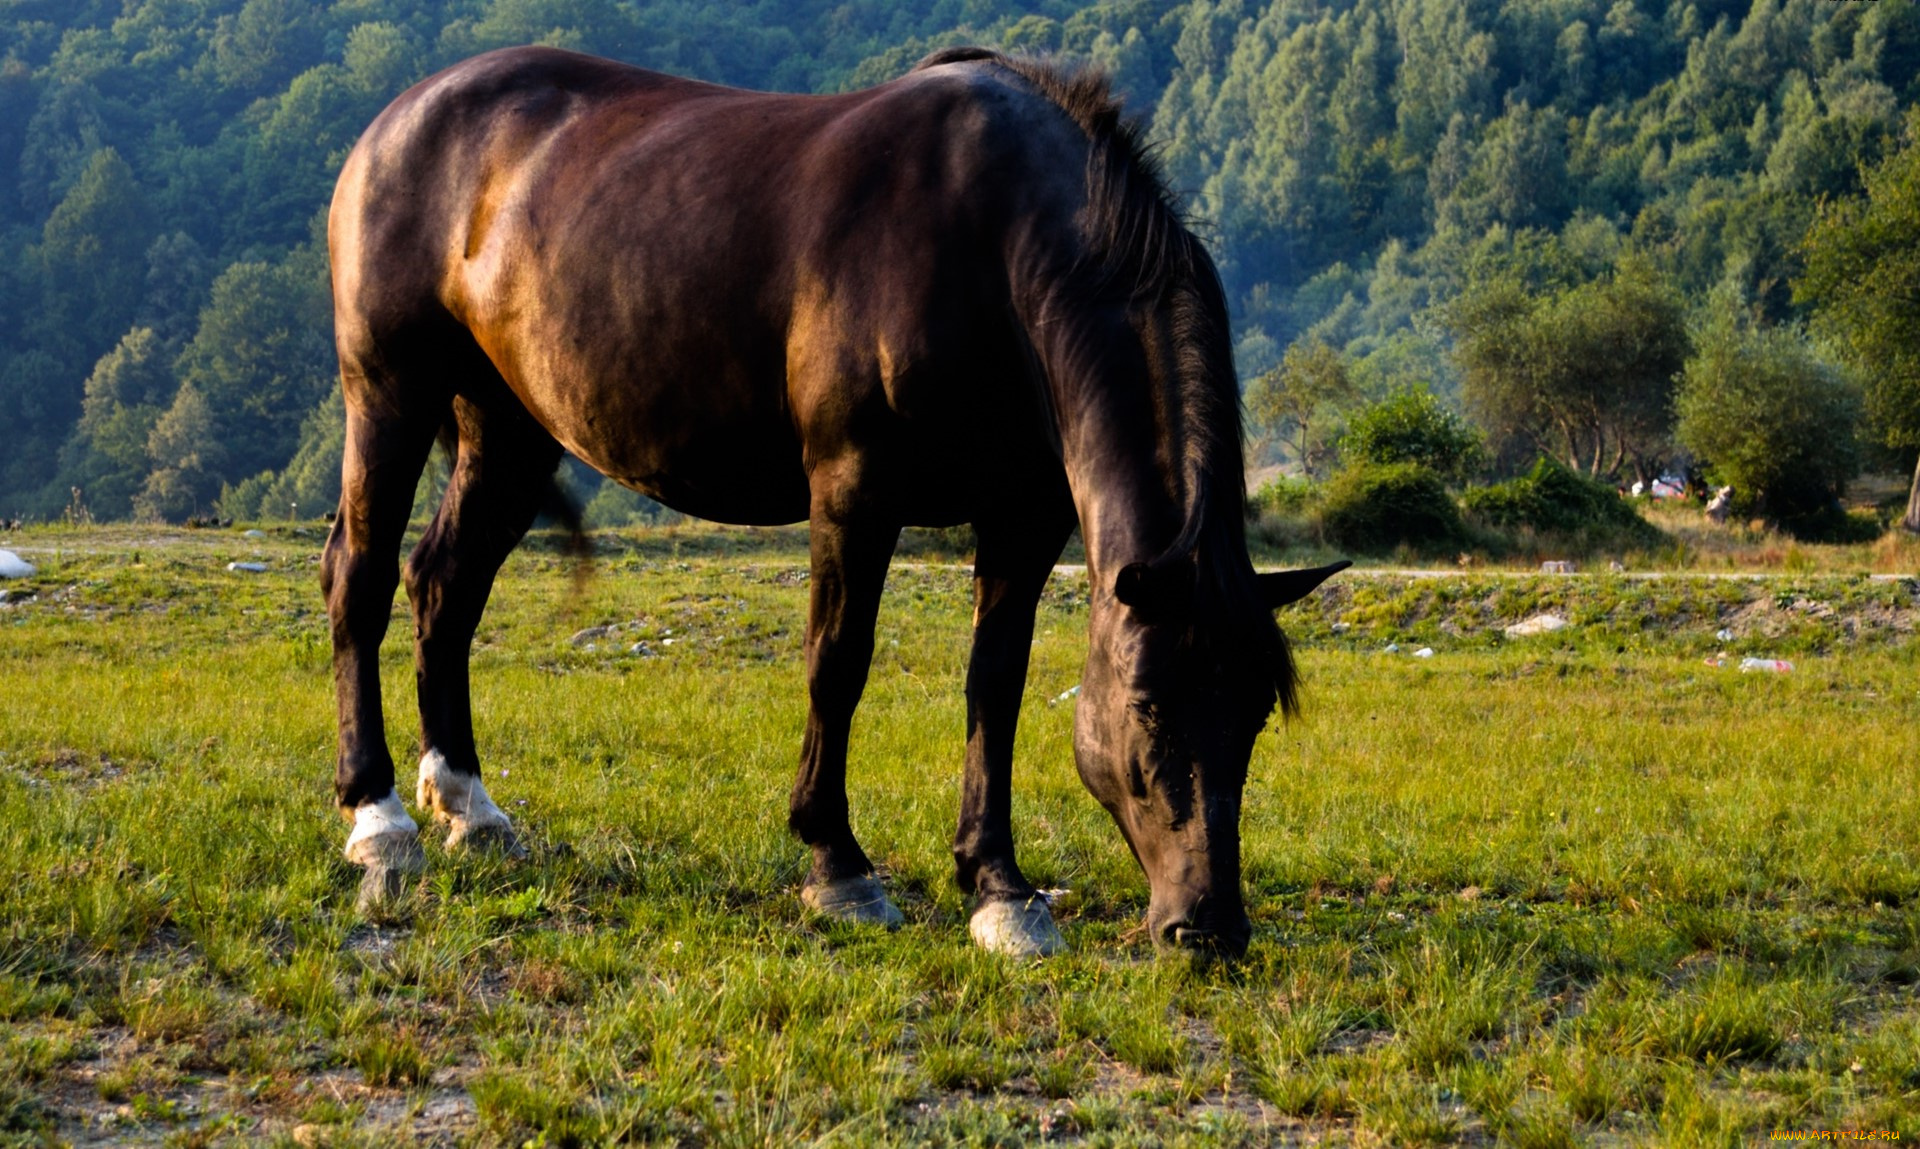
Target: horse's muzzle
1222, 935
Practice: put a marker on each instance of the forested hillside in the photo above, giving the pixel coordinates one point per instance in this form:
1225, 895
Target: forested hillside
165, 164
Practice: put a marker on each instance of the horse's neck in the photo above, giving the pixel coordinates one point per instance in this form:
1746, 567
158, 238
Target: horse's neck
1113, 447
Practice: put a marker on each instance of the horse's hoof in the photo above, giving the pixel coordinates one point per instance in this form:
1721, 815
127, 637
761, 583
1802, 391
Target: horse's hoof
390, 859
1016, 927
461, 801
397, 850
486, 837
862, 901
382, 890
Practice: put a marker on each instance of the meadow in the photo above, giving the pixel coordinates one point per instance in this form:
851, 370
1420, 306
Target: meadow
1592, 887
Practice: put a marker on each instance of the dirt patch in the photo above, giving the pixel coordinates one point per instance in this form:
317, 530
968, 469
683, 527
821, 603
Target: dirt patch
72, 769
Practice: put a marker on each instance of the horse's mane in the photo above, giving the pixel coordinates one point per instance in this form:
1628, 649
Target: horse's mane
1142, 245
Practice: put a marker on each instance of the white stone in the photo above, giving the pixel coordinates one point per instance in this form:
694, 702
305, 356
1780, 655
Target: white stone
1538, 624
13, 566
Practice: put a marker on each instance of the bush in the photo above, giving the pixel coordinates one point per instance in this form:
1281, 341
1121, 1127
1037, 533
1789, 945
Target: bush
1289, 497
1771, 419
1553, 499
1375, 507
1412, 426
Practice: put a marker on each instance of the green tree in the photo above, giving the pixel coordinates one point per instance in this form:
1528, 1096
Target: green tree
309, 485
187, 454
1769, 417
1412, 426
1297, 402
92, 258
261, 359
1585, 372
125, 395
1863, 280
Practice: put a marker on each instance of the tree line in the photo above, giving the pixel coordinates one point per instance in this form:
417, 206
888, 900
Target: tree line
1560, 219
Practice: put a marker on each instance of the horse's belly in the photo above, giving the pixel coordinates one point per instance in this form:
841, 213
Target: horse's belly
746, 472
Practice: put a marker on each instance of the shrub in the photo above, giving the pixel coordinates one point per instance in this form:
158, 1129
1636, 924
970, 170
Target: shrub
1771, 419
1290, 497
1377, 507
1554, 499
1412, 426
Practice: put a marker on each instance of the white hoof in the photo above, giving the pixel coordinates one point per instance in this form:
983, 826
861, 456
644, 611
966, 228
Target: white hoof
862, 901
1021, 928
461, 801
387, 842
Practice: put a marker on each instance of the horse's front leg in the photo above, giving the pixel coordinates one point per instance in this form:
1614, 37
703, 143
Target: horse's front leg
1010, 571
358, 572
849, 570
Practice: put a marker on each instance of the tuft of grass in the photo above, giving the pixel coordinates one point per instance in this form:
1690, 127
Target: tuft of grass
1728, 1018
388, 1058
964, 1067
21, 1108
1541, 1126
1309, 1092
1063, 1074
167, 1010
1409, 1114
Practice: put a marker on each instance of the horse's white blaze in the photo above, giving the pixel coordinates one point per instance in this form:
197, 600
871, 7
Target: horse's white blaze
453, 797
387, 816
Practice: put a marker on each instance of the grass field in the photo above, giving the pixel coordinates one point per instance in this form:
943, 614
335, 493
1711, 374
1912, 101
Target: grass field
1580, 888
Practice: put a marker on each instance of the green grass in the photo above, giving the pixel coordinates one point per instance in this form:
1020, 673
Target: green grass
1578, 888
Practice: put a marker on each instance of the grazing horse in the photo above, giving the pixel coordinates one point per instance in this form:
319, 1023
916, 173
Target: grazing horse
960, 297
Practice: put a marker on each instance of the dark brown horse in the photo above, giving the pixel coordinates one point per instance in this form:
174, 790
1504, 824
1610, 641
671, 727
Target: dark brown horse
960, 297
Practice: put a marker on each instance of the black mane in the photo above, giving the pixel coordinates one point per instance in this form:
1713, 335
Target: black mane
1143, 245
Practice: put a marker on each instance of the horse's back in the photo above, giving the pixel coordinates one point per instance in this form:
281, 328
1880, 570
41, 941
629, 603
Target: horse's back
698, 289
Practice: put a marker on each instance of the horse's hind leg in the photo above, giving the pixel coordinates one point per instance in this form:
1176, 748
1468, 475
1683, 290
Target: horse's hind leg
385, 452
1010, 571
849, 571
501, 476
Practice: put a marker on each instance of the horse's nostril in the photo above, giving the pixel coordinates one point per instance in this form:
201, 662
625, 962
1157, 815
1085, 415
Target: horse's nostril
1221, 940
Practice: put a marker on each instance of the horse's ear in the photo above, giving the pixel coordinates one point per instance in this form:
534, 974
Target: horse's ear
1283, 587
1154, 592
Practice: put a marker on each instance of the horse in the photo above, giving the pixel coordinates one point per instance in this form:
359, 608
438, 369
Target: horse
962, 296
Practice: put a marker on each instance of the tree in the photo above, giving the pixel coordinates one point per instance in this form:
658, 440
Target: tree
1354, 160
310, 483
129, 388
1295, 401
1412, 426
187, 455
1584, 373
1769, 417
92, 265
1863, 280
262, 358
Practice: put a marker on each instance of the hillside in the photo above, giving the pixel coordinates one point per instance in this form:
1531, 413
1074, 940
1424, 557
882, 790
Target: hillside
164, 164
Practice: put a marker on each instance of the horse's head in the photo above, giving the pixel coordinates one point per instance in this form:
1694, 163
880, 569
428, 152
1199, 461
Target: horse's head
1176, 688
